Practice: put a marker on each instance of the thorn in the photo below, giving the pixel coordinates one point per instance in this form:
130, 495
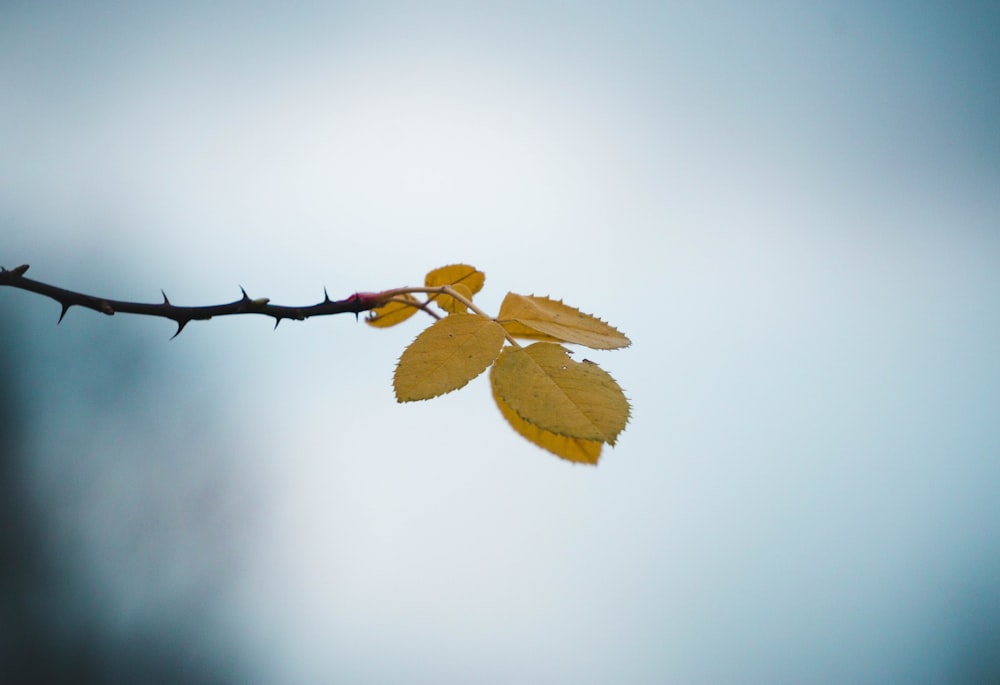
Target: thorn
277, 320
326, 296
181, 323
246, 298
165, 300
19, 270
65, 308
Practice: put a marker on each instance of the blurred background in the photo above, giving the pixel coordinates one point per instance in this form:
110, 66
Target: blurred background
793, 210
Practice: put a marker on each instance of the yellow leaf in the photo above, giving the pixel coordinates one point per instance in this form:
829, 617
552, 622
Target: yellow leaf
446, 356
540, 318
551, 391
573, 449
519, 330
450, 304
467, 275
454, 275
392, 313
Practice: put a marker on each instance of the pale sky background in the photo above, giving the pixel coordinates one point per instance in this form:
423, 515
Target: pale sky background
793, 210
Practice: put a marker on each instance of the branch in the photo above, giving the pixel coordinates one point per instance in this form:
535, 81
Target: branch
355, 304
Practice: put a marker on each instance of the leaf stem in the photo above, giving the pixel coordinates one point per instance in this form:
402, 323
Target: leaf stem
422, 306
445, 290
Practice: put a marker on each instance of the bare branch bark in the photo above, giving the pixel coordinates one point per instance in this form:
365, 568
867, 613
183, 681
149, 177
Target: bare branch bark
354, 304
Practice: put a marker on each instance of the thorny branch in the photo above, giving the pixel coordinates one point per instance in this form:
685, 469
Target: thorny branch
354, 304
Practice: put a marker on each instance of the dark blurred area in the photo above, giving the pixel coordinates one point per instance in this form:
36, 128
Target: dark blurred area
118, 527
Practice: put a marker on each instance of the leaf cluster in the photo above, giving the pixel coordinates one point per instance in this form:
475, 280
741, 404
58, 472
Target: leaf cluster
570, 408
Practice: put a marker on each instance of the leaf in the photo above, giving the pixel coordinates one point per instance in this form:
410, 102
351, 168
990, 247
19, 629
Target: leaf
447, 355
467, 275
519, 330
573, 449
541, 318
454, 275
392, 313
546, 388
450, 304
